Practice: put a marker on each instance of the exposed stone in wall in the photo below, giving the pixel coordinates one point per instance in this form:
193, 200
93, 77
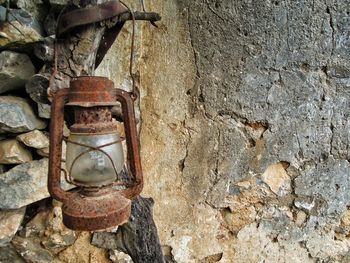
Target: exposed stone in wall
15, 70
10, 222
25, 184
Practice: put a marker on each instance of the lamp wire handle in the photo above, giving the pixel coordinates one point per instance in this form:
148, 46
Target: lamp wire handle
135, 92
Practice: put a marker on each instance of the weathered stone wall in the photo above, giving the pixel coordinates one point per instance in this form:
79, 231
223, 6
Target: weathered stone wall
245, 129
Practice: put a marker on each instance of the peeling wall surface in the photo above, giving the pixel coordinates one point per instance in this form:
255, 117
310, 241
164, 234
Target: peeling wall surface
245, 129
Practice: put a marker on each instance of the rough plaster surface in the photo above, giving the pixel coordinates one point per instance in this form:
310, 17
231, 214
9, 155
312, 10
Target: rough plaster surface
231, 89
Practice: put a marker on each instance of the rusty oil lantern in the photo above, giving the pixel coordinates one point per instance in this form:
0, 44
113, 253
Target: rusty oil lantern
94, 159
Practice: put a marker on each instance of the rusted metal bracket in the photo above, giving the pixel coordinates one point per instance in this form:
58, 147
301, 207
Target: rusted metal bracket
88, 15
111, 10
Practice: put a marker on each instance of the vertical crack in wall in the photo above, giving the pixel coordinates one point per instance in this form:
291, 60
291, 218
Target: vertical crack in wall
332, 26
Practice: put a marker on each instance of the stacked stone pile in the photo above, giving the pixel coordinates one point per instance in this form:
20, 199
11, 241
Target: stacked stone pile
31, 228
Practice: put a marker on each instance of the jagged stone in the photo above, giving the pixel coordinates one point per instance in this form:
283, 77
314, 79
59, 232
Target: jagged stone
277, 179
306, 203
83, 251
45, 50
346, 218
37, 87
119, 257
254, 241
44, 110
15, 70
46, 151
8, 254
25, 184
57, 236
327, 189
31, 251
35, 139
324, 246
20, 30
37, 8
16, 116
237, 219
12, 152
46, 229
25, 19
9, 224
301, 217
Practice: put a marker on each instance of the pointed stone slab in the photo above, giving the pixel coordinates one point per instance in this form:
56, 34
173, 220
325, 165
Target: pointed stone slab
13, 152
16, 116
35, 139
9, 254
19, 31
10, 221
15, 70
25, 184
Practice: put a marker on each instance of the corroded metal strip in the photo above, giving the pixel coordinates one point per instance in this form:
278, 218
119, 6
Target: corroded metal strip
132, 143
56, 136
88, 15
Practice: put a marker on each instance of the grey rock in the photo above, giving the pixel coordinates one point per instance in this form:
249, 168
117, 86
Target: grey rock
277, 179
44, 110
305, 203
8, 254
45, 50
323, 247
35, 139
37, 8
46, 229
10, 222
12, 152
59, 3
20, 31
328, 183
16, 116
119, 257
105, 240
37, 87
25, 184
46, 151
31, 251
23, 17
15, 70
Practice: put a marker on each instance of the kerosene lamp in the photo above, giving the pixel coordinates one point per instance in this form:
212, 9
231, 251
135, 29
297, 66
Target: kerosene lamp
94, 160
